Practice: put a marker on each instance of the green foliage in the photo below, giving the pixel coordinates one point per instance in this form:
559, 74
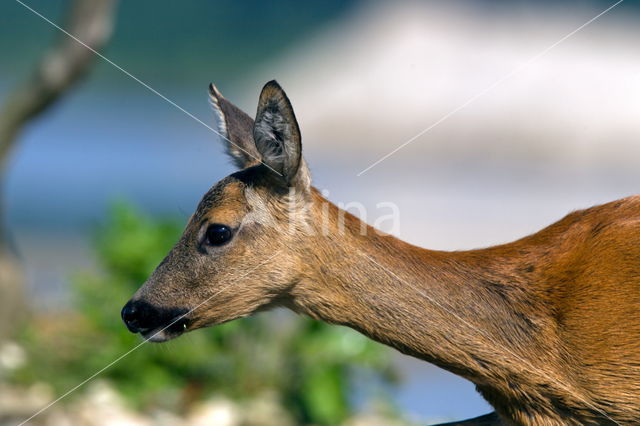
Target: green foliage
308, 364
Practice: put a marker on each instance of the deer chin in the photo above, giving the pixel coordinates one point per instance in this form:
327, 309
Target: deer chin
175, 328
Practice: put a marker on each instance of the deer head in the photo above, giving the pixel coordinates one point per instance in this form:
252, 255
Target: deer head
230, 261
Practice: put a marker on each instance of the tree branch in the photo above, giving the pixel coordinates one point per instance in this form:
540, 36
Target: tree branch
63, 66
60, 69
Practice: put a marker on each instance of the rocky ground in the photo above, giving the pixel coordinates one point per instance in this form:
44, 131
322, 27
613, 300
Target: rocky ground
101, 405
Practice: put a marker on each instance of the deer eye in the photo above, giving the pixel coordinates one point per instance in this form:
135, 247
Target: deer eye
218, 234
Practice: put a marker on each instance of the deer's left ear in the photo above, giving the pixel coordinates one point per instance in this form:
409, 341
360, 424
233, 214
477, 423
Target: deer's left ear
277, 137
234, 126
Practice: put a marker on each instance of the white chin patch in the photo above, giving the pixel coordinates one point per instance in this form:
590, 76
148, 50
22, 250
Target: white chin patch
158, 336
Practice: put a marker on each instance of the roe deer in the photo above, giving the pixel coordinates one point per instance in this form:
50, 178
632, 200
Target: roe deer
547, 327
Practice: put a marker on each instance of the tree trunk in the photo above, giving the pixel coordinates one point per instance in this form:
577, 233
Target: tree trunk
91, 22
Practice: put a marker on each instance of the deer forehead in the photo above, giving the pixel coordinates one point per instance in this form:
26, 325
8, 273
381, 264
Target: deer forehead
246, 198
225, 203
233, 202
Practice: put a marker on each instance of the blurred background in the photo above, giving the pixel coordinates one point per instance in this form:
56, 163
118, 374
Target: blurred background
100, 175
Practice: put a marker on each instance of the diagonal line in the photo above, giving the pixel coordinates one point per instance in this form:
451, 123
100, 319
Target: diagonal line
495, 84
142, 83
442, 119
88, 379
472, 327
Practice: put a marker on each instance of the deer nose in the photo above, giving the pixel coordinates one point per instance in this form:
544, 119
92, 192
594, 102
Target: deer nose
133, 318
142, 317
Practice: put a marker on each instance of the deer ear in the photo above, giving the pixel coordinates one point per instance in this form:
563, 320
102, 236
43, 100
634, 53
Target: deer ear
277, 136
235, 127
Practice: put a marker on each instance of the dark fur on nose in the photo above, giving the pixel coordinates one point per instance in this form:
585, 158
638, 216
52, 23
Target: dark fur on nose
140, 316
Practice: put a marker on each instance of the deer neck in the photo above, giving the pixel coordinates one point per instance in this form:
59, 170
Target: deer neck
471, 313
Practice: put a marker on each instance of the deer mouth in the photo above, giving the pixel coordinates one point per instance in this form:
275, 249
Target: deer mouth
171, 330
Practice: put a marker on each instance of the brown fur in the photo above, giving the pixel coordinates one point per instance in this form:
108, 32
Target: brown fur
547, 327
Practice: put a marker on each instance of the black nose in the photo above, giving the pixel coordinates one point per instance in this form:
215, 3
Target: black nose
131, 316
141, 317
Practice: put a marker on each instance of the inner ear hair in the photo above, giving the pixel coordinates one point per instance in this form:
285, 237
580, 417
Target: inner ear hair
276, 132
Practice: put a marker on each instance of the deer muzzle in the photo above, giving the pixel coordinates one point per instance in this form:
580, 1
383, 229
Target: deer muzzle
153, 323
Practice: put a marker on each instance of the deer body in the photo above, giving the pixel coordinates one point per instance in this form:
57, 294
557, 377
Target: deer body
541, 325
547, 327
